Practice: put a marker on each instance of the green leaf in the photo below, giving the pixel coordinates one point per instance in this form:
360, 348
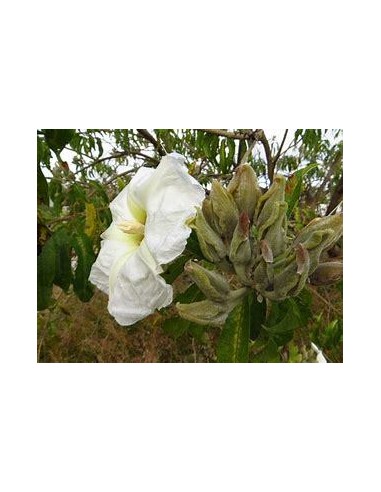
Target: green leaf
175, 327
43, 152
84, 250
175, 269
223, 156
42, 187
296, 185
230, 157
192, 294
178, 326
267, 352
46, 265
257, 316
57, 139
193, 246
63, 275
284, 318
233, 344
242, 147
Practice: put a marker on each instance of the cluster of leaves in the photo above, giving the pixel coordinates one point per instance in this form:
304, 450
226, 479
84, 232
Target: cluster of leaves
70, 217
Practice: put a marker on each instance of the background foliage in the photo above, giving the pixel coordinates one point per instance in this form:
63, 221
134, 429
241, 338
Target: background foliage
80, 171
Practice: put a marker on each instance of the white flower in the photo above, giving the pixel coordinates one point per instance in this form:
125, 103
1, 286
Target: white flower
148, 230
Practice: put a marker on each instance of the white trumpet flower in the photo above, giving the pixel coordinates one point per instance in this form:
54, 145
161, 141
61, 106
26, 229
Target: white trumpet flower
148, 230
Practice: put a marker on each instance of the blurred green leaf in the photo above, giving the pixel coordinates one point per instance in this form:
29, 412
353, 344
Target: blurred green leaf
284, 318
57, 139
265, 352
86, 257
233, 343
63, 275
42, 187
296, 184
175, 269
222, 153
46, 264
257, 315
177, 326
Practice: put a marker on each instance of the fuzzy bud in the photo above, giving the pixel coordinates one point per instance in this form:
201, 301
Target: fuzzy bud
240, 251
327, 273
225, 211
245, 190
209, 312
210, 242
212, 284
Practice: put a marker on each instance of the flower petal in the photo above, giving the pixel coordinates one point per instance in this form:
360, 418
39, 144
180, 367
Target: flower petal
127, 205
137, 290
170, 197
115, 245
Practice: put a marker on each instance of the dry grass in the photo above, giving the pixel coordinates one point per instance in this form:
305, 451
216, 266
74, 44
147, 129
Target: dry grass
73, 331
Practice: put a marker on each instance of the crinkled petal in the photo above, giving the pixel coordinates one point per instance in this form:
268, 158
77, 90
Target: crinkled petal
137, 290
170, 197
127, 205
115, 246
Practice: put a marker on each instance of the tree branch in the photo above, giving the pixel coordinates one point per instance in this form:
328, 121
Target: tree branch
117, 155
150, 138
280, 148
245, 135
270, 163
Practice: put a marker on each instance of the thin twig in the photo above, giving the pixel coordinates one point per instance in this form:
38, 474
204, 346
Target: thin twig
280, 148
235, 135
146, 134
270, 164
71, 216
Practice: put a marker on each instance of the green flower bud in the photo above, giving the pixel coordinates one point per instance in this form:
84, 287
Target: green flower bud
212, 284
284, 282
327, 273
267, 252
265, 205
211, 244
207, 210
225, 211
332, 222
275, 234
240, 251
209, 312
204, 312
316, 243
245, 190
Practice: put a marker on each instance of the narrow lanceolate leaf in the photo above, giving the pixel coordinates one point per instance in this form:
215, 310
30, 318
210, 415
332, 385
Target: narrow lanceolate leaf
233, 344
46, 264
296, 185
63, 275
91, 219
84, 250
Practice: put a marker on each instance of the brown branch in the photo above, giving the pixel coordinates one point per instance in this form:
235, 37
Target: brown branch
280, 148
270, 163
245, 135
117, 155
150, 138
71, 216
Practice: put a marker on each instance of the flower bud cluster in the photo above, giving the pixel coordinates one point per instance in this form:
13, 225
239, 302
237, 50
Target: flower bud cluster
240, 227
